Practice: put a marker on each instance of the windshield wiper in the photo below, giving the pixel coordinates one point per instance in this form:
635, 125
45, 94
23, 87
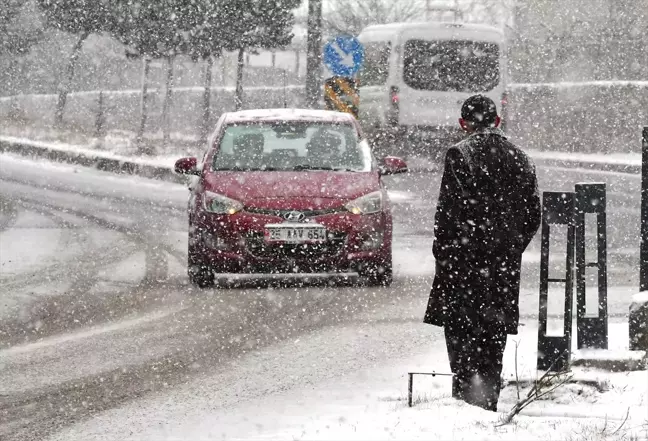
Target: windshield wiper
301, 167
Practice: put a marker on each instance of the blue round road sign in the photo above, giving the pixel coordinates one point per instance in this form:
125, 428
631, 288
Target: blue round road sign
343, 55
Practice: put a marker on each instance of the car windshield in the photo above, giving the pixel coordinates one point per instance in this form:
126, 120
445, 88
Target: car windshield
292, 146
451, 66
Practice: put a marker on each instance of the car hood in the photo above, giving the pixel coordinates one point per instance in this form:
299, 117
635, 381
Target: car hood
252, 188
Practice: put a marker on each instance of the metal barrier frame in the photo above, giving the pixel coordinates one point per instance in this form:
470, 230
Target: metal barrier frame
554, 352
592, 332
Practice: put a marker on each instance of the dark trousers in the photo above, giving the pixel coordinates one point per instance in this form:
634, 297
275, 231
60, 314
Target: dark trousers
475, 354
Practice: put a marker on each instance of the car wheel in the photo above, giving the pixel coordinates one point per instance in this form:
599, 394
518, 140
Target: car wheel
379, 275
201, 276
200, 273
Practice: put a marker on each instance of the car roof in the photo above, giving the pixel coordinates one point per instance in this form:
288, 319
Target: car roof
274, 115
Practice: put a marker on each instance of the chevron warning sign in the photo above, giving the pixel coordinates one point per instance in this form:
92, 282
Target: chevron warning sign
341, 94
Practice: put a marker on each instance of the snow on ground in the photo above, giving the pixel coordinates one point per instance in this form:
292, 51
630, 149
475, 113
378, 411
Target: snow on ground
121, 148
573, 84
642, 297
159, 161
370, 403
633, 159
38, 239
576, 409
630, 159
251, 89
125, 335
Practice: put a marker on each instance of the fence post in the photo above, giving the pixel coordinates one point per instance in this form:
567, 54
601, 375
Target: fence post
554, 352
592, 332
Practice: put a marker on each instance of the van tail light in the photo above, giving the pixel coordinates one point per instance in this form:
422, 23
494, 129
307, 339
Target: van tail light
393, 95
504, 113
392, 113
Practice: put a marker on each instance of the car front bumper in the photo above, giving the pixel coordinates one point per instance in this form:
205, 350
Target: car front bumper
236, 244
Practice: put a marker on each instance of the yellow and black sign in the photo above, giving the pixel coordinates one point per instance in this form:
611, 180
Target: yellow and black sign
341, 94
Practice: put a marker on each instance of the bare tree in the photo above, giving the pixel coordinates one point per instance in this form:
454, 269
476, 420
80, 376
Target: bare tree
494, 12
351, 16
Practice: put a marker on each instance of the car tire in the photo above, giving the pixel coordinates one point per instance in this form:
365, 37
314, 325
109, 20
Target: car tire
379, 275
201, 276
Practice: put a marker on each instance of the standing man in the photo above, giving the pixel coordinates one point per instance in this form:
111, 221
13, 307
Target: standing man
488, 212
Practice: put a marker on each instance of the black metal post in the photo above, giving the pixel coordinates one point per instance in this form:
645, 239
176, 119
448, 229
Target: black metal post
643, 268
637, 324
410, 383
592, 332
554, 352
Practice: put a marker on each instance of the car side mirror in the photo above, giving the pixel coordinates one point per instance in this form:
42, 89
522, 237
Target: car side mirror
187, 166
391, 165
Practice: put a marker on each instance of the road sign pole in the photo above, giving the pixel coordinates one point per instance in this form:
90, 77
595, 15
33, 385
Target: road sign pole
643, 268
314, 48
554, 352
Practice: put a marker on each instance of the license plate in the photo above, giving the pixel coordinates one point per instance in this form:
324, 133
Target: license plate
288, 233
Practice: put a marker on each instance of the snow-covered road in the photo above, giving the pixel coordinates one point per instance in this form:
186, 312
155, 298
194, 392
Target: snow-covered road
97, 321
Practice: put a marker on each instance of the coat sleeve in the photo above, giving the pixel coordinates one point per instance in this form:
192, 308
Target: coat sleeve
452, 198
532, 207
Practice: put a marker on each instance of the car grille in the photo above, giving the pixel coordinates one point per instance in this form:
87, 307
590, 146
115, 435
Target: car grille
284, 213
257, 246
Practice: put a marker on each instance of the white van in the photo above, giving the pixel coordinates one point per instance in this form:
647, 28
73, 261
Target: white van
416, 76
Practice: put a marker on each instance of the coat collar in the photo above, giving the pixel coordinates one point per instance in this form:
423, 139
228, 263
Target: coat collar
489, 131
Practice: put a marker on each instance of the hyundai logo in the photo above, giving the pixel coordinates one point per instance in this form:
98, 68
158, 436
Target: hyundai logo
294, 216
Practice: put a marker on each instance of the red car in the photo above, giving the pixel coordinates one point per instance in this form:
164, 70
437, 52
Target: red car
289, 192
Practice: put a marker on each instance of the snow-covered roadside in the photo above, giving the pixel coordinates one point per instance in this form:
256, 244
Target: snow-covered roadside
370, 403
121, 149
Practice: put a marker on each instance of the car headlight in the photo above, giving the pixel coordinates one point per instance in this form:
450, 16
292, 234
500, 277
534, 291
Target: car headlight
219, 204
367, 204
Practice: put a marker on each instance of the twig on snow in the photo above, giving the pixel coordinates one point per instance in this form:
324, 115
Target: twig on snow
623, 423
517, 379
541, 388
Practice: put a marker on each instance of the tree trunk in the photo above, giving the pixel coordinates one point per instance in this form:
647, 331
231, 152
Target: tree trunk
66, 83
100, 119
14, 107
166, 105
238, 98
204, 125
297, 55
224, 79
146, 65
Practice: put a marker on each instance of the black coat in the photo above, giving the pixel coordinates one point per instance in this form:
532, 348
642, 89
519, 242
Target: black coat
488, 211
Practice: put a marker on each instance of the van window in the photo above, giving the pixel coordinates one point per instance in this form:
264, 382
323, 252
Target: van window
375, 68
451, 65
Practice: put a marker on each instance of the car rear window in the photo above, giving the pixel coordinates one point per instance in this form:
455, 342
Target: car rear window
290, 145
451, 65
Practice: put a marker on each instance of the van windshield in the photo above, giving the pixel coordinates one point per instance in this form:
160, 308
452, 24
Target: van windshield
451, 65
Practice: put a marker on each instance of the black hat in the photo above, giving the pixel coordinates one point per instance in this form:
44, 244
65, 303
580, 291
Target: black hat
479, 110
